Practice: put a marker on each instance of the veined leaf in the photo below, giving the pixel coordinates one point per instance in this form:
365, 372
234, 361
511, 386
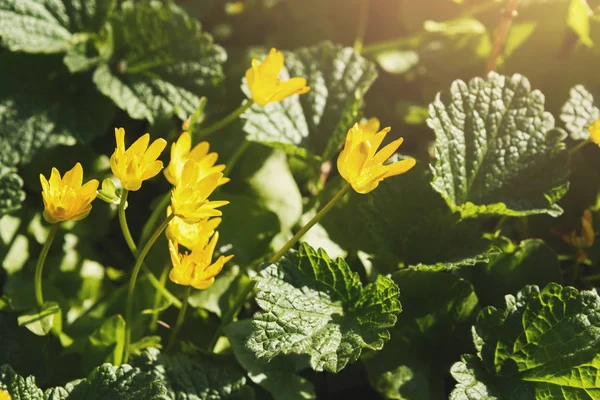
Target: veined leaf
317, 306
191, 378
541, 345
50, 26
11, 190
315, 123
497, 150
579, 112
17, 387
161, 61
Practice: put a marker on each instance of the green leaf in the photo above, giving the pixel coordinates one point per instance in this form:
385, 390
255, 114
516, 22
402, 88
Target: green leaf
578, 19
161, 61
11, 190
203, 378
497, 150
50, 26
124, 382
315, 123
531, 262
41, 321
316, 306
106, 343
541, 345
17, 387
579, 112
223, 294
427, 338
278, 376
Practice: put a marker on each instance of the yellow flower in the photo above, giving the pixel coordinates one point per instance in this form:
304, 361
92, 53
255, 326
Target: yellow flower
359, 162
189, 199
195, 268
67, 199
182, 151
191, 235
264, 83
139, 162
594, 130
5, 395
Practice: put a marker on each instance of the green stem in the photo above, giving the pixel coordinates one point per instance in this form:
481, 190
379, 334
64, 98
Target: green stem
123, 222
363, 18
39, 297
203, 133
132, 246
235, 157
310, 223
132, 280
156, 213
578, 146
180, 317
158, 297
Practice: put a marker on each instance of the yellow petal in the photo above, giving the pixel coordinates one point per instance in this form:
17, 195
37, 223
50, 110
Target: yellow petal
594, 130
371, 125
154, 150
199, 151
189, 174
140, 145
385, 153
74, 177
203, 284
272, 64
89, 189
376, 140
399, 167
44, 182
289, 88
208, 184
54, 178
120, 138
152, 170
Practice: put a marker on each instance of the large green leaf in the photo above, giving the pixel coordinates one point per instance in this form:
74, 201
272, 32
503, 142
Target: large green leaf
579, 112
317, 306
161, 61
542, 345
279, 376
315, 123
50, 26
428, 337
11, 190
196, 378
497, 151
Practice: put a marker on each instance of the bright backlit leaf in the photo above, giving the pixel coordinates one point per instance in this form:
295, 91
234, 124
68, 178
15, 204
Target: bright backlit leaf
497, 151
579, 112
544, 344
317, 306
314, 123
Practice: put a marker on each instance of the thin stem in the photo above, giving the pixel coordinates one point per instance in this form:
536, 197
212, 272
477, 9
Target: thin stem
578, 146
310, 223
363, 18
180, 317
136, 270
235, 157
203, 133
501, 223
39, 297
501, 34
158, 297
132, 246
123, 222
154, 217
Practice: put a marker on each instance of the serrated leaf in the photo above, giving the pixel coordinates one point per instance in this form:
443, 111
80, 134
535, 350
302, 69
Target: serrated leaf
278, 376
17, 387
497, 151
124, 382
195, 378
427, 337
317, 306
541, 345
49, 26
579, 112
11, 190
161, 61
315, 123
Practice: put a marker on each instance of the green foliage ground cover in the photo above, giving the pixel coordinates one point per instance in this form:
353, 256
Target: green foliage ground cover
472, 276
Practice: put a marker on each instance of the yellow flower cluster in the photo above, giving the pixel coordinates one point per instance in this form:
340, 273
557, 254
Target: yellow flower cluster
194, 175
